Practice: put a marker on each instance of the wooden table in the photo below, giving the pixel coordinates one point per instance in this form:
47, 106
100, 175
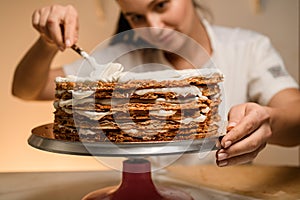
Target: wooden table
262, 182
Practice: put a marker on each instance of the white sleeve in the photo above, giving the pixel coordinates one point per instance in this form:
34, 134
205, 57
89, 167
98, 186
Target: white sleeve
267, 75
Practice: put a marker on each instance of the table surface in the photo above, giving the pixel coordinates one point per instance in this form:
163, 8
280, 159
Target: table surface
261, 182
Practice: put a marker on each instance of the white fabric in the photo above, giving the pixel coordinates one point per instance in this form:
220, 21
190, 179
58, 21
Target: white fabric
253, 69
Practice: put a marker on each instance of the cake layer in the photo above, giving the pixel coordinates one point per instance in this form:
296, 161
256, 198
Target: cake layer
92, 135
150, 94
138, 107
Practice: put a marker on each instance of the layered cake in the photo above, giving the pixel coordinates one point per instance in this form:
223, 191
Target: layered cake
116, 106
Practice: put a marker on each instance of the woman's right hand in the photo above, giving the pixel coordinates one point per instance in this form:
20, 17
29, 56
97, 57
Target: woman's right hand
57, 24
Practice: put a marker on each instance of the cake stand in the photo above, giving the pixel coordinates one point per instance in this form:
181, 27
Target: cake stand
136, 180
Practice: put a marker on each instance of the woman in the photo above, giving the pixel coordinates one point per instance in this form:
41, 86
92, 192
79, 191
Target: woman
263, 99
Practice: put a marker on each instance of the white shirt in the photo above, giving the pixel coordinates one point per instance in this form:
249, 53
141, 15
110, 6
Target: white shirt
253, 69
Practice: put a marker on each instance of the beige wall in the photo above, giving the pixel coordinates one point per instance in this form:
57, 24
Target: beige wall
19, 117
279, 20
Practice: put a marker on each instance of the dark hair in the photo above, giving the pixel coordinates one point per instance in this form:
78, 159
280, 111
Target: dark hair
127, 36
123, 24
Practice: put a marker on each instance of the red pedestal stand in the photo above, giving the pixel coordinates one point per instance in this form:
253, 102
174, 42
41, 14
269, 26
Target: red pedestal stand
137, 184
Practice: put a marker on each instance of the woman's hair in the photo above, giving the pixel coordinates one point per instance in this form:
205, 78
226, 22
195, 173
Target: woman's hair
123, 24
123, 27
128, 37
124, 35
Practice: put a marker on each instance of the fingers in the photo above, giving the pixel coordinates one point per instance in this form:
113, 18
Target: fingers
71, 27
39, 19
235, 115
54, 30
57, 24
246, 146
248, 137
241, 159
243, 120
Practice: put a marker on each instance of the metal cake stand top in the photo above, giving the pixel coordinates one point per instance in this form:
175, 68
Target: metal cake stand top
42, 137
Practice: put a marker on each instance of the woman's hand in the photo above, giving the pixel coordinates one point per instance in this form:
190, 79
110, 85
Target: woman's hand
248, 131
58, 25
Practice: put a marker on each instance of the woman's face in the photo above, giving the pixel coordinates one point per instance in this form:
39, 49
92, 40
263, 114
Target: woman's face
161, 17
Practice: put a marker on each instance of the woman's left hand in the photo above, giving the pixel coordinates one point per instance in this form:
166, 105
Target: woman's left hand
248, 131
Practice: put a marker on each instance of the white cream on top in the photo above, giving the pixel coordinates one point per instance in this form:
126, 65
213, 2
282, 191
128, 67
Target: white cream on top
114, 72
109, 73
168, 74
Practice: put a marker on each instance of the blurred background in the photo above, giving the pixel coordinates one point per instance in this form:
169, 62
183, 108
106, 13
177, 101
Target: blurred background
277, 19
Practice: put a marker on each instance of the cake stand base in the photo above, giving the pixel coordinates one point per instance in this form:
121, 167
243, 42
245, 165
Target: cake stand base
137, 184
